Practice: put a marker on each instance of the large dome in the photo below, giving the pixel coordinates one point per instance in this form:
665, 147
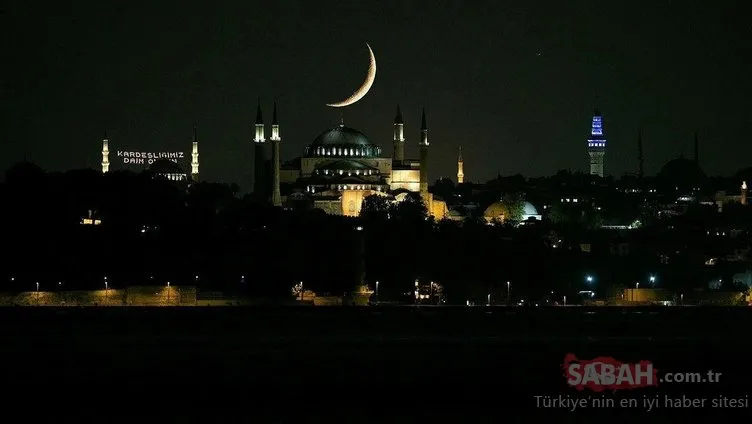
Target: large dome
340, 136
529, 210
496, 210
342, 142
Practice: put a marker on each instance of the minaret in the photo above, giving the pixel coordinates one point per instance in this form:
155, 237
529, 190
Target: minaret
697, 150
460, 169
596, 145
743, 200
639, 156
276, 196
259, 187
194, 156
399, 138
424, 158
105, 154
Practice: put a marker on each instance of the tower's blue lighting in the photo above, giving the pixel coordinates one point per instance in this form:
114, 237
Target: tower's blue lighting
596, 131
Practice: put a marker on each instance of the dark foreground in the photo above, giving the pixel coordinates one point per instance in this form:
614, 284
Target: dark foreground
430, 360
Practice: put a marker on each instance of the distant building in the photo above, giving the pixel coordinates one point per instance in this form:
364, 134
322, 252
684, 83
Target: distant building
596, 145
460, 169
90, 219
499, 212
164, 164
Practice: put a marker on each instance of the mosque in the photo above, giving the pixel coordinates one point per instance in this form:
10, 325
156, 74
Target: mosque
341, 167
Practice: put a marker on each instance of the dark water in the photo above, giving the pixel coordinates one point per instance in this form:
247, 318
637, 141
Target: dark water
455, 360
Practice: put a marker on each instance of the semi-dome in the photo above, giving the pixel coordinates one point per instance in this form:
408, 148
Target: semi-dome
340, 136
345, 165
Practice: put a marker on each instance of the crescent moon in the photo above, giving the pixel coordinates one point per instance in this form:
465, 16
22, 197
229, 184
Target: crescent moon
363, 90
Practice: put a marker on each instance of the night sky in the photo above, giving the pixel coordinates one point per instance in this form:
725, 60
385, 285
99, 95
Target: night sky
514, 83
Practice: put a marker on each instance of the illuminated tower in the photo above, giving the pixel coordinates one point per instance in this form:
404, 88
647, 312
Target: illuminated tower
259, 157
399, 138
424, 158
460, 169
194, 156
105, 154
276, 196
597, 145
744, 193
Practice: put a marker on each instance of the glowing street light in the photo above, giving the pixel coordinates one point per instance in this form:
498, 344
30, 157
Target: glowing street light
302, 292
509, 291
489, 299
377, 288
652, 279
589, 278
37, 293
637, 285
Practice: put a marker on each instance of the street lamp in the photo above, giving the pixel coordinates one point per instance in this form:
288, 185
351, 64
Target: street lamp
377, 289
589, 278
489, 299
106, 289
652, 279
637, 285
168, 292
37, 293
302, 292
509, 292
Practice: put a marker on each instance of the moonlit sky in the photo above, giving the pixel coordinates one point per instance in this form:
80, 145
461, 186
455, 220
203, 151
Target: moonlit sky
514, 83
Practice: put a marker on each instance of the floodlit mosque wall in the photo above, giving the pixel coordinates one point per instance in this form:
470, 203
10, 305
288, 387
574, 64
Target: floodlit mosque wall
352, 201
408, 179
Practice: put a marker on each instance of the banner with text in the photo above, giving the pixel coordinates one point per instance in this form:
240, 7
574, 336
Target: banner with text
148, 158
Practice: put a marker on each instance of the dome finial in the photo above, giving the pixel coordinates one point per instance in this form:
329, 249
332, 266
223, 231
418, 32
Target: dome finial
342, 119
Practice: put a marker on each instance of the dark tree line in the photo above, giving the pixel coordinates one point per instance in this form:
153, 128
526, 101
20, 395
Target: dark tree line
154, 231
